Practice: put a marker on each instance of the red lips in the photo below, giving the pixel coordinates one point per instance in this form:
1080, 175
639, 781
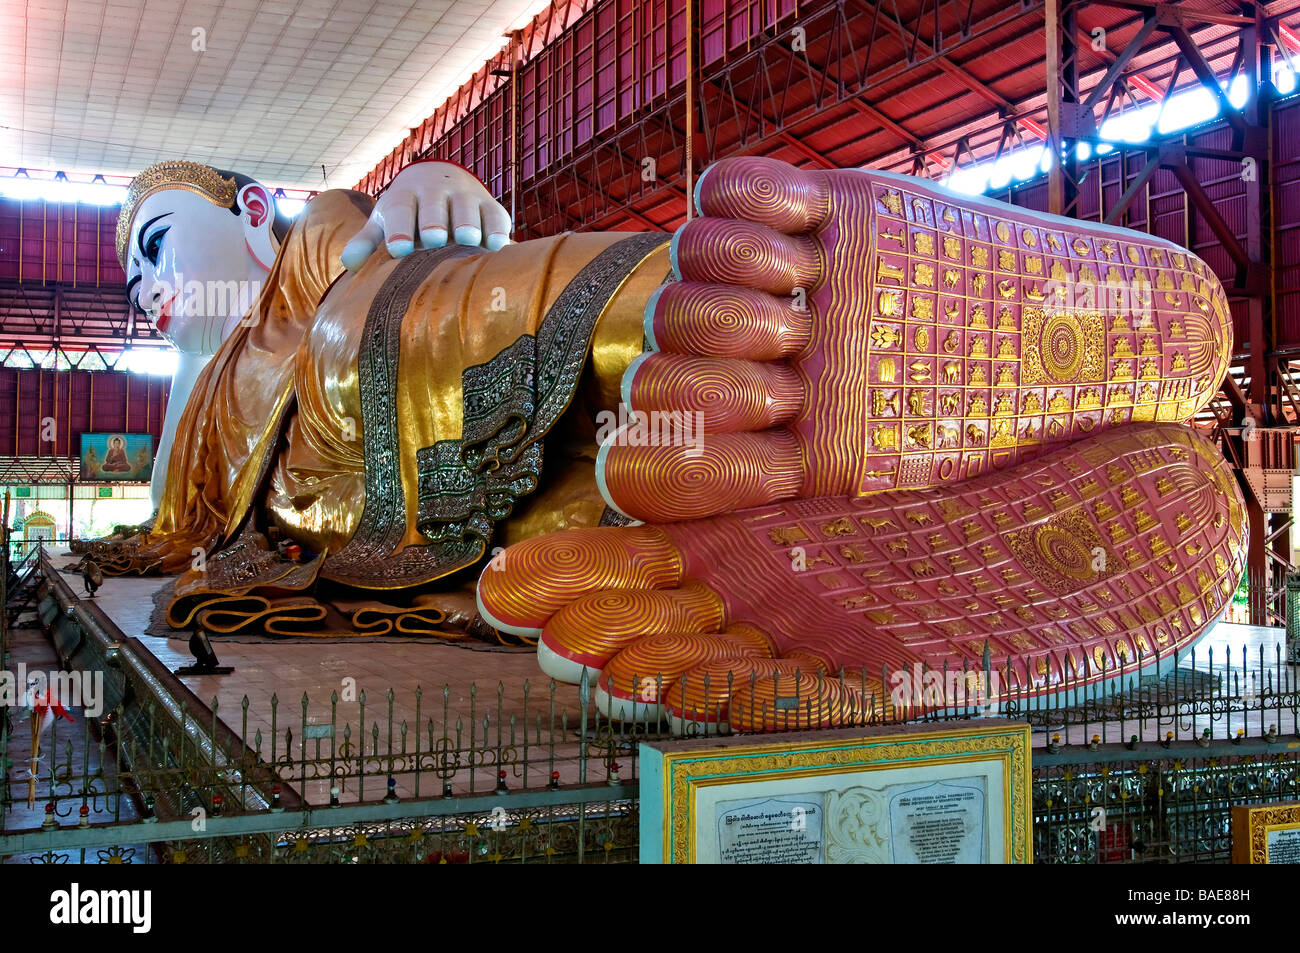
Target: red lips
164, 314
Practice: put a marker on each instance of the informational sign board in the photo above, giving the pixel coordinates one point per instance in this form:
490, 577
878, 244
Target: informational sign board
902, 795
1266, 833
116, 456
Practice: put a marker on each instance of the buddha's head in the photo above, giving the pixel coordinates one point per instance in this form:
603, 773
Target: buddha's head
196, 244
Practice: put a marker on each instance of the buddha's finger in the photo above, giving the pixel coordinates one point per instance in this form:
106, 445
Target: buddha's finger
434, 218
466, 221
496, 225
398, 219
362, 245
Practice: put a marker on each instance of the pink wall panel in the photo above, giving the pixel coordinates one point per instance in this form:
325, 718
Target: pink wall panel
76, 402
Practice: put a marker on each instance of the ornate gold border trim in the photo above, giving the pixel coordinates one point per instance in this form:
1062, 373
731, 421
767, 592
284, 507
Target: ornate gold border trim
684, 772
1251, 825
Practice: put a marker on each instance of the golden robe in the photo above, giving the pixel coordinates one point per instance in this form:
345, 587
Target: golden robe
396, 420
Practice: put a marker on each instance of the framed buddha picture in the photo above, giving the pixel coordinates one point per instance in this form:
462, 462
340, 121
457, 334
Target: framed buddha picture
126, 457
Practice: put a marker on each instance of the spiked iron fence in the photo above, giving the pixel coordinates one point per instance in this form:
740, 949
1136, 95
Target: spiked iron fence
1147, 771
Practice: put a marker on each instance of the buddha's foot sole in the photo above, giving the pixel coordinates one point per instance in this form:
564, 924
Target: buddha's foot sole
1109, 553
847, 331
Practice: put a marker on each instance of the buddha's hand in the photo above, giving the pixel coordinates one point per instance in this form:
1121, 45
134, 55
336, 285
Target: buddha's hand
849, 332
437, 198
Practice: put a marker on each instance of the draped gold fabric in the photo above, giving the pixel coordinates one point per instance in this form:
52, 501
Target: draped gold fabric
278, 410
230, 426
464, 313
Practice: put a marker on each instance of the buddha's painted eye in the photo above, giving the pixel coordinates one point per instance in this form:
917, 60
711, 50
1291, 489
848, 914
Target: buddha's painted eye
153, 244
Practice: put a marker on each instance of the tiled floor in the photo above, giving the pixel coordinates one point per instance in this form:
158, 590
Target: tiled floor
471, 691
476, 686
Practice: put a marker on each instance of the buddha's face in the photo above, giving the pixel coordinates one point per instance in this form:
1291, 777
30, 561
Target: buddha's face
195, 267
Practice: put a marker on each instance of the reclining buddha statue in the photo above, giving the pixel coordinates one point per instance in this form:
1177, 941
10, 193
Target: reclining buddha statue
862, 422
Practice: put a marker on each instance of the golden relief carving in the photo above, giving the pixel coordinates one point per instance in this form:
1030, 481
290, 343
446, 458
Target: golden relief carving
884, 403
890, 303
175, 174
1251, 826
886, 271
1063, 347
884, 336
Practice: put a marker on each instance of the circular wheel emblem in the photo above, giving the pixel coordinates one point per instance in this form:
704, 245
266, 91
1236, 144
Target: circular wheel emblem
1062, 348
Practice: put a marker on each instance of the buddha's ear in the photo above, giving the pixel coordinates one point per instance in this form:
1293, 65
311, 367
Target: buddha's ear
257, 211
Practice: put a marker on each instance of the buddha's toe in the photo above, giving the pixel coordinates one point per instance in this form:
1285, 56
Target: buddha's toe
765, 191
691, 317
665, 481
632, 686
593, 628
524, 586
767, 694
690, 396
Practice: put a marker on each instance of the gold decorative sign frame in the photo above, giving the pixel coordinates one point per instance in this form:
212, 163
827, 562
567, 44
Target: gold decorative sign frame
1251, 825
674, 774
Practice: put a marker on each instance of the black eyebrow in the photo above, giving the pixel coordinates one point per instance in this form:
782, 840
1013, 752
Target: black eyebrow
139, 236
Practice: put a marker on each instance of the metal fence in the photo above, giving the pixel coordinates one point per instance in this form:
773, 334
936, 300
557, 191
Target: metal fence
1146, 772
